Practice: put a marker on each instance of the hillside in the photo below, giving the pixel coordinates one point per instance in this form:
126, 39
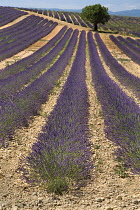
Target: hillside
130, 13
74, 93
117, 24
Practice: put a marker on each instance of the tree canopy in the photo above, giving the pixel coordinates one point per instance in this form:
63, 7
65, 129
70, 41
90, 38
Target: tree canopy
95, 14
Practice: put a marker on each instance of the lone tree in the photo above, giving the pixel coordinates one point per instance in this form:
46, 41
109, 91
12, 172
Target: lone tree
95, 14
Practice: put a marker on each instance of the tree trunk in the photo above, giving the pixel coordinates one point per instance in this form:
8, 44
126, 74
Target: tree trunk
95, 27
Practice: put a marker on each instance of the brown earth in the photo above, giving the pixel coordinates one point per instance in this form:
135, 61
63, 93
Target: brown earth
14, 21
107, 190
123, 59
31, 49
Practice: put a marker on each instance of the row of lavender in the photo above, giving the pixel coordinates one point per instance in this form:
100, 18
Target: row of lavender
8, 14
62, 153
126, 79
12, 36
30, 60
27, 41
10, 85
70, 17
129, 25
123, 24
13, 27
62, 156
132, 46
37, 29
19, 109
121, 113
131, 51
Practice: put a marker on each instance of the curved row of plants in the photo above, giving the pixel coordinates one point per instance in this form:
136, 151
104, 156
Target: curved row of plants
134, 56
134, 48
123, 24
23, 105
61, 157
16, 82
117, 24
121, 113
126, 78
10, 29
30, 60
21, 30
8, 14
133, 41
70, 17
38, 32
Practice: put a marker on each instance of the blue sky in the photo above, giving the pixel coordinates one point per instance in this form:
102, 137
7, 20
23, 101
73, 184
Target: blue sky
117, 5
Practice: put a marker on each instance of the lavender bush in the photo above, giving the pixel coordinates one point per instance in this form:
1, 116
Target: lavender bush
11, 85
19, 31
30, 39
30, 60
14, 27
62, 17
121, 113
126, 50
23, 36
127, 79
129, 45
26, 103
62, 156
135, 42
68, 19
82, 23
9, 14
135, 34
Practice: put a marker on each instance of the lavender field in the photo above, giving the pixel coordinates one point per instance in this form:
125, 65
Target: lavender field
69, 102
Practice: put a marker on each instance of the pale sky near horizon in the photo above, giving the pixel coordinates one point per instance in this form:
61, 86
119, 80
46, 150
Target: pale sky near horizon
118, 5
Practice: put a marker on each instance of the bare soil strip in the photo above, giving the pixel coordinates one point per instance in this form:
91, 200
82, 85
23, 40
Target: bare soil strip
13, 187
129, 92
63, 23
15, 21
107, 190
31, 49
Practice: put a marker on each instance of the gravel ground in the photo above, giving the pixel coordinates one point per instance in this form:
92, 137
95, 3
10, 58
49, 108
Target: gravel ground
108, 189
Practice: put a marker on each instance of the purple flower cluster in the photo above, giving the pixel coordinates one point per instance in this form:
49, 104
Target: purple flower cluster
13, 28
16, 82
62, 17
8, 15
30, 60
121, 113
63, 149
20, 31
133, 41
79, 19
129, 45
23, 105
68, 19
50, 13
56, 15
127, 79
10, 49
74, 18
135, 33
135, 57
45, 12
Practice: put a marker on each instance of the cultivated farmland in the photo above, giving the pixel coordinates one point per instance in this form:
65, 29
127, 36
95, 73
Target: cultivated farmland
69, 113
